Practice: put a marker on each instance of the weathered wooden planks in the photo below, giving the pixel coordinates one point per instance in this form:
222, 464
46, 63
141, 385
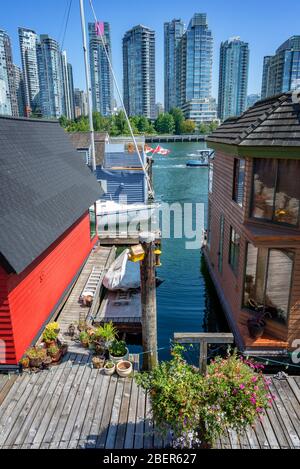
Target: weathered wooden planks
75, 406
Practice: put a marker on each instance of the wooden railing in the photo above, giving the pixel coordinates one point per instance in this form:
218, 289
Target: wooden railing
203, 339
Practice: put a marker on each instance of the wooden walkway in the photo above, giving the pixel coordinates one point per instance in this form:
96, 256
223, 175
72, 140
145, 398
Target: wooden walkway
73, 310
75, 406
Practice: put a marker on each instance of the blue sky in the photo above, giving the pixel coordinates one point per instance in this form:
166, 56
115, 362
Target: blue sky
265, 24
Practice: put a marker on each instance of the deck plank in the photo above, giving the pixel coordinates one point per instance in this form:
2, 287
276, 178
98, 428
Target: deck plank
113, 426
102, 389
106, 416
123, 416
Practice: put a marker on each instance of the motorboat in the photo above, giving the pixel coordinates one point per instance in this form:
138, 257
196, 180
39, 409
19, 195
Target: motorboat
110, 212
202, 158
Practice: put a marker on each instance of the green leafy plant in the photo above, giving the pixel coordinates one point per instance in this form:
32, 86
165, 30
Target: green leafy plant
107, 332
118, 348
233, 394
36, 352
109, 365
51, 332
84, 338
53, 351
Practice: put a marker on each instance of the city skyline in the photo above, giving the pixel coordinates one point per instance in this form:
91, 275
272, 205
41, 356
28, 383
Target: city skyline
224, 20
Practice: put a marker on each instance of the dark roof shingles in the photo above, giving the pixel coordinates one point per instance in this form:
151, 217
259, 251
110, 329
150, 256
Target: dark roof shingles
44, 188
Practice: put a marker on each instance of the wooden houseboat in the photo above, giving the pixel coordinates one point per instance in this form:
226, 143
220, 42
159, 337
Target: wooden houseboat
252, 245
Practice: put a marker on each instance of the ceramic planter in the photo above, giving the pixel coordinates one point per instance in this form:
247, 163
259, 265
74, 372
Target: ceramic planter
110, 371
256, 328
124, 368
119, 359
98, 362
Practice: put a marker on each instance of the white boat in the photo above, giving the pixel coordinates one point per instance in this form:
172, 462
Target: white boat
207, 153
113, 213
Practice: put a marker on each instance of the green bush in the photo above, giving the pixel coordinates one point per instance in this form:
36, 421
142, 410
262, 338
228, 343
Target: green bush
196, 408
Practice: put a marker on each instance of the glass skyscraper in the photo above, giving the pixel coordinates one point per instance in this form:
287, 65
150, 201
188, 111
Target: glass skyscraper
173, 32
233, 78
282, 71
68, 86
52, 102
101, 76
139, 71
195, 71
28, 47
8, 97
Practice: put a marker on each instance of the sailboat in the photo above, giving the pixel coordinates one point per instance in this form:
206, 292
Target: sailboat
108, 210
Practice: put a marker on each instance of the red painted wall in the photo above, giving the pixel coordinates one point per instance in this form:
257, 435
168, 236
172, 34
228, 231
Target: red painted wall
33, 294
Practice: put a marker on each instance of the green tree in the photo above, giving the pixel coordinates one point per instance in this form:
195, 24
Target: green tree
165, 124
188, 127
64, 122
178, 117
203, 128
213, 126
143, 124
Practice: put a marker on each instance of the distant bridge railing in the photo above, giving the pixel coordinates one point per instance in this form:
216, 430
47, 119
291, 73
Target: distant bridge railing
175, 138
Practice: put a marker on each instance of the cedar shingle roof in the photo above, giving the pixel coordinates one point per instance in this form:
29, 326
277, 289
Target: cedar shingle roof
44, 188
81, 140
273, 121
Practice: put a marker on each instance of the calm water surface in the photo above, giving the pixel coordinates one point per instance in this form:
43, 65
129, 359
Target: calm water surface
186, 301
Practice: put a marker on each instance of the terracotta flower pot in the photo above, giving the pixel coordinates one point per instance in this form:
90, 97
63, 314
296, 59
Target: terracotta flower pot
124, 368
56, 358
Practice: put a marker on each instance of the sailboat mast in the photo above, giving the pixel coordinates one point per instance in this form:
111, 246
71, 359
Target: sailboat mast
88, 84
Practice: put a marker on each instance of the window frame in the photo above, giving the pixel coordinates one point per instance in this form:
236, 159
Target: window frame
235, 182
235, 269
244, 307
221, 243
251, 205
91, 210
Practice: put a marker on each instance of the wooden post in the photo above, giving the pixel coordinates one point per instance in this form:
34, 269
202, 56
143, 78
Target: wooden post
148, 297
203, 339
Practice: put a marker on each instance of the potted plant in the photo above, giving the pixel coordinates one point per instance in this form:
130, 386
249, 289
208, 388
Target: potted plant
50, 334
198, 409
55, 353
84, 339
98, 362
24, 362
118, 351
109, 368
36, 356
107, 333
256, 325
124, 368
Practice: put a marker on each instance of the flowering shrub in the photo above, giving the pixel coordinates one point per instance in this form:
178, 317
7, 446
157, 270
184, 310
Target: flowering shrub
196, 408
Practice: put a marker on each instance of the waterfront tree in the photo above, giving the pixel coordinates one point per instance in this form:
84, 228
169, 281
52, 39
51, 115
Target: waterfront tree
178, 117
165, 124
188, 127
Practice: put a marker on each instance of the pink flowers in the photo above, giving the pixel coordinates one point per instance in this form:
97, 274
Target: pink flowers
253, 400
242, 386
254, 379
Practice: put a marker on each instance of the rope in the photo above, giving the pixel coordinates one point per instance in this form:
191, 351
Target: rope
66, 23
123, 105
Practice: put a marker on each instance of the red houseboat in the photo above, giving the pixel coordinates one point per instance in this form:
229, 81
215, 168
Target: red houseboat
47, 227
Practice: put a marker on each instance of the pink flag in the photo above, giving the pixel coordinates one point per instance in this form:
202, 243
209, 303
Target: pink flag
99, 27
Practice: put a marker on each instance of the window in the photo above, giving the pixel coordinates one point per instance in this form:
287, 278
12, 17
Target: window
221, 244
276, 191
234, 250
210, 177
268, 280
208, 224
93, 221
238, 181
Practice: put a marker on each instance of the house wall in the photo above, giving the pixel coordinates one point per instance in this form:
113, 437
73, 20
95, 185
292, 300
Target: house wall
7, 349
232, 284
34, 294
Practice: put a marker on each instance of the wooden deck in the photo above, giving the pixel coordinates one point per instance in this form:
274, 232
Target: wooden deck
75, 406
73, 310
